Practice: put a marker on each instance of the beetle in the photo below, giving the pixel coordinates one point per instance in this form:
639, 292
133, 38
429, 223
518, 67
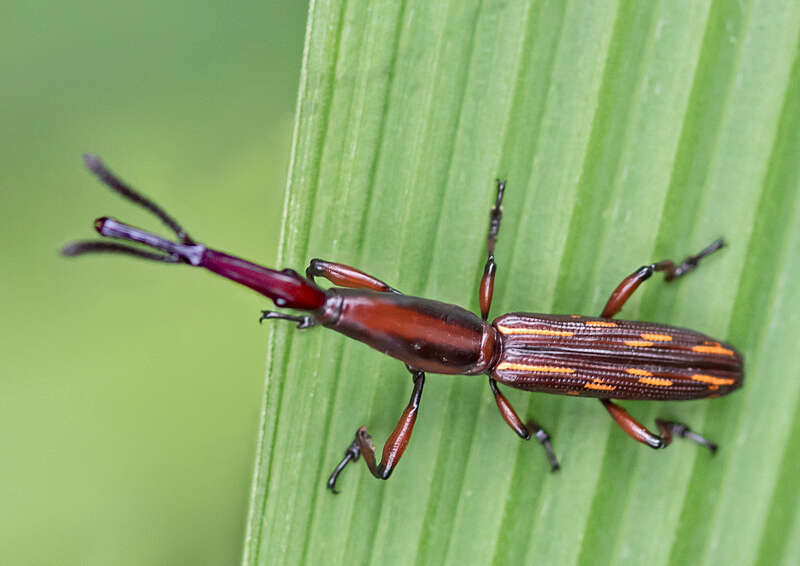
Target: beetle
575, 355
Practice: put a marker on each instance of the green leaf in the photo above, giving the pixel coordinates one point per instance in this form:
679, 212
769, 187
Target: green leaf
628, 133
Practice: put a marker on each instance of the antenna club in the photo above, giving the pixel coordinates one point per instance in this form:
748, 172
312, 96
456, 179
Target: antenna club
92, 162
100, 223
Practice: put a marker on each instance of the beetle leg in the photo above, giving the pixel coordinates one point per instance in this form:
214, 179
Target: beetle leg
302, 321
671, 271
346, 276
523, 430
395, 445
350, 455
670, 428
637, 431
486, 289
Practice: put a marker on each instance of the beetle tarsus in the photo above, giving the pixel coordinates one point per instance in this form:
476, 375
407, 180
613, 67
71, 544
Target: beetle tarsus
670, 428
690, 263
543, 438
303, 322
350, 455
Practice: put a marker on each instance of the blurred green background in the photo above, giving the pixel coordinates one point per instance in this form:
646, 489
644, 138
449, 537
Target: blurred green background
130, 392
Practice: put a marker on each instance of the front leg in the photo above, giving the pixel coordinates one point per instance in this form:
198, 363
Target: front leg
303, 322
395, 445
346, 276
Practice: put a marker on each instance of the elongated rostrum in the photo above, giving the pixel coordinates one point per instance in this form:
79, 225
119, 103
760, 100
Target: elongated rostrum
571, 354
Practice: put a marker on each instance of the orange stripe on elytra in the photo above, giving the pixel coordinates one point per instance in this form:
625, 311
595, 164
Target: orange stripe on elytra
526, 367
655, 381
711, 380
543, 332
598, 384
570, 392
657, 337
638, 343
601, 323
636, 371
712, 350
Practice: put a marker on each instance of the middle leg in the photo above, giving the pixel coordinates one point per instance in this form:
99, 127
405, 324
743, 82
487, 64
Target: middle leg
523, 430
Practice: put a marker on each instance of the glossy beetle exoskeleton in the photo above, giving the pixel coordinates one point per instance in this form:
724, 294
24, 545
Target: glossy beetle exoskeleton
563, 354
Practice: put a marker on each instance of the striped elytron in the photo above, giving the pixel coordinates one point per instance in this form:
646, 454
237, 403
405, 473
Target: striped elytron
564, 354
591, 357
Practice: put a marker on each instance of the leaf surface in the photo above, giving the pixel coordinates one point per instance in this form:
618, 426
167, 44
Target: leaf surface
628, 132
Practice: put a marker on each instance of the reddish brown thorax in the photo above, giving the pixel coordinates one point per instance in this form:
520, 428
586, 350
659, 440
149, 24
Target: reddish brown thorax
425, 334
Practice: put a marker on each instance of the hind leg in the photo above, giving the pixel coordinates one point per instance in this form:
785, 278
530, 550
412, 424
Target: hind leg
486, 289
639, 432
671, 271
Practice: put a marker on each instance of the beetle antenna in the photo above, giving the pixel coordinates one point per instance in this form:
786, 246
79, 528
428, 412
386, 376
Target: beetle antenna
286, 288
91, 246
96, 166
185, 249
